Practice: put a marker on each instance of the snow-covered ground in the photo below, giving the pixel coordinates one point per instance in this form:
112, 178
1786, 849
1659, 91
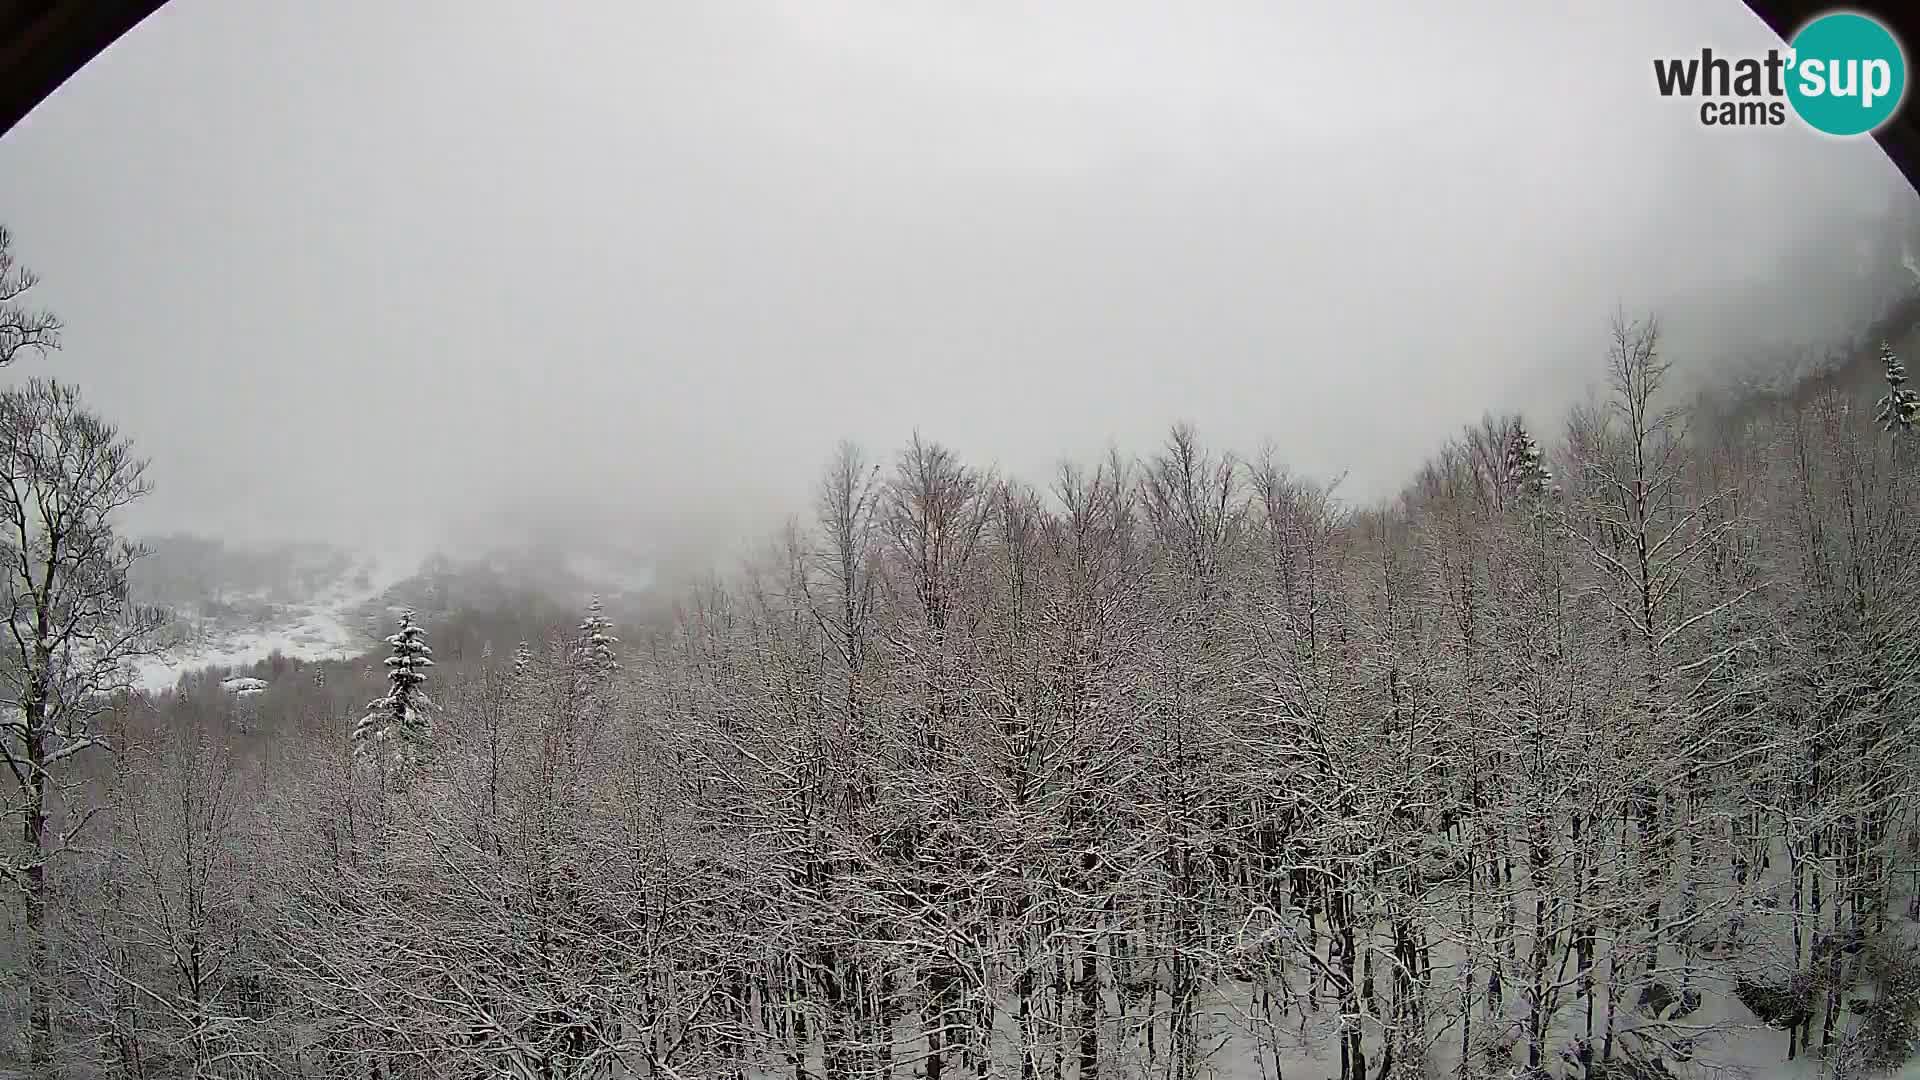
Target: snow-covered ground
322, 628
260, 608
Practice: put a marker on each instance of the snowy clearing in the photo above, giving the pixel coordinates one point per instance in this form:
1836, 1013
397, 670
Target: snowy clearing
319, 629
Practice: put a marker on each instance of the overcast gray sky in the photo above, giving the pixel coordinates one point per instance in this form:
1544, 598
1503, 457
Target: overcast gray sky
392, 265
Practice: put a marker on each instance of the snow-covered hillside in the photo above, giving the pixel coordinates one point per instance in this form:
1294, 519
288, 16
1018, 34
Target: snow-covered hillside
239, 630
234, 606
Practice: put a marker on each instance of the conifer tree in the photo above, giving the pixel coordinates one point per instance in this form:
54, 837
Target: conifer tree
596, 641
1900, 407
1527, 465
399, 717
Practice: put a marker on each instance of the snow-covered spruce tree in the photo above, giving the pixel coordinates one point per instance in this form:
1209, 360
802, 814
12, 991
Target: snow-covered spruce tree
1527, 465
596, 641
1900, 407
522, 656
398, 719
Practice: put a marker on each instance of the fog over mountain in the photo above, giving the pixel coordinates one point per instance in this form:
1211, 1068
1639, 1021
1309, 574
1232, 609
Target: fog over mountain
403, 274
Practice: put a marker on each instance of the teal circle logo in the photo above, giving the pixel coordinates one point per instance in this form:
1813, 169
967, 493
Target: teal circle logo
1848, 74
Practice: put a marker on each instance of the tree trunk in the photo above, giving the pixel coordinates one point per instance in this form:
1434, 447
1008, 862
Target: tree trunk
1089, 1024
34, 833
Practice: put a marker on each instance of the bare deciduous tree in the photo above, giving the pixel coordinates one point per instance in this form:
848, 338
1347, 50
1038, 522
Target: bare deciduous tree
64, 472
22, 327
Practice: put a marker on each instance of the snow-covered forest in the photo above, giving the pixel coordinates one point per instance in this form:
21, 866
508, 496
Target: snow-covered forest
1265, 620
1589, 755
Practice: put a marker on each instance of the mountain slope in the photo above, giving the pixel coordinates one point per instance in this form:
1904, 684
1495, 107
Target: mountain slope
233, 606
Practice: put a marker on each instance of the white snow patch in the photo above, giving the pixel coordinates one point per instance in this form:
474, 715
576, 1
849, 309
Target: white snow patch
318, 629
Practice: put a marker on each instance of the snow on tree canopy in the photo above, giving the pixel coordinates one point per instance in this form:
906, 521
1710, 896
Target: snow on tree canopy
1900, 408
596, 642
1527, 465
399, 717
